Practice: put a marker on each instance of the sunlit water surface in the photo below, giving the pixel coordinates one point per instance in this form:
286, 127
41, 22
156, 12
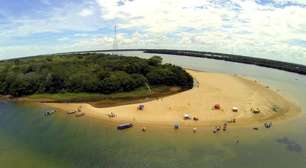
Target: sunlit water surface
27, 139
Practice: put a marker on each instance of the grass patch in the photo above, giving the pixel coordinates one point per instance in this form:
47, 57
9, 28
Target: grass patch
92, 97
275, 108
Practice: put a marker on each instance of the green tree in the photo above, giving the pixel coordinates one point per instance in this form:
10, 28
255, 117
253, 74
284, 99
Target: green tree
155, 60
87, 73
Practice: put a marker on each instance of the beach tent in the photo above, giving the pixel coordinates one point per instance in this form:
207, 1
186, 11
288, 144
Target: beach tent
187, 116
235, 109
217, 107
141, 107
255, 111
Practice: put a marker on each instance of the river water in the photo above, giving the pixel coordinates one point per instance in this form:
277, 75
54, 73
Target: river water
27, 139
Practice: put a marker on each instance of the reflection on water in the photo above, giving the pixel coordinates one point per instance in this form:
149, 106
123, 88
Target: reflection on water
27, 139
291, 145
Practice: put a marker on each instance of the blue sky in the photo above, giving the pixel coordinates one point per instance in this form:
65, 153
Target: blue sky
274, 29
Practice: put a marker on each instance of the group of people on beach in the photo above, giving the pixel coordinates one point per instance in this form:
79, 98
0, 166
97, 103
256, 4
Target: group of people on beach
186, 116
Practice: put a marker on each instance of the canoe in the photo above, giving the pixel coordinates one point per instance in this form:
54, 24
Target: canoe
80, 115
71, 112
48, 113
124, 126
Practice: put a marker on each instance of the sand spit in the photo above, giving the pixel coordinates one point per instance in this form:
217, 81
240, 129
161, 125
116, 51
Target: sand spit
227, 91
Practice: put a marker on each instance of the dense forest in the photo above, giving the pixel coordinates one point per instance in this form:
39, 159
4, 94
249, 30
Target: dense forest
90, 73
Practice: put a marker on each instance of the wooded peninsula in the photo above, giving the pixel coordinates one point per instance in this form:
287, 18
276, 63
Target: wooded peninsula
88, 73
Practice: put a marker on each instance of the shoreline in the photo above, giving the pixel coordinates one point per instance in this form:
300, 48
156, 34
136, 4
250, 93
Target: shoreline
101, 100
227, 90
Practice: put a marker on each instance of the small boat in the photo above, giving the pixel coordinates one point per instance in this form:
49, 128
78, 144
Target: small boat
144, 129
176, 126
80, 115
194, 130
124, 126
255, 128
48, 113
71, 112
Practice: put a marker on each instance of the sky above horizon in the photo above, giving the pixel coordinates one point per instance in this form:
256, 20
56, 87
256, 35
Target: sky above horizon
273, 29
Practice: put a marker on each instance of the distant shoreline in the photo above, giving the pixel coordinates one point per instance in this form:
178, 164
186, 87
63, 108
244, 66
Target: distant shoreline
268, 63
285, 66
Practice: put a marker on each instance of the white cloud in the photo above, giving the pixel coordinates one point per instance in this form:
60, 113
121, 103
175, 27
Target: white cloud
233, 26
63, 39
162, 15
81, 35
66, 18
86, 12
244, 27
46, 2
300, 2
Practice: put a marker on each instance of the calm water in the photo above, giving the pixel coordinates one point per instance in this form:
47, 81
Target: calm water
27, 139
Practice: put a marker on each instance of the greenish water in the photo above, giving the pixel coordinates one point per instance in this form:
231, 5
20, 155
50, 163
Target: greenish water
27, 139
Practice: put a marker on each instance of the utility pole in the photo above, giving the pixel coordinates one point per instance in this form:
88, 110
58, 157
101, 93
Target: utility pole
115, 42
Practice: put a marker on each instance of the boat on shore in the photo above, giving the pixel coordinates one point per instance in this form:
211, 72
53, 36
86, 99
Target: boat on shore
50, 112
71, 112
80, 115
124, 126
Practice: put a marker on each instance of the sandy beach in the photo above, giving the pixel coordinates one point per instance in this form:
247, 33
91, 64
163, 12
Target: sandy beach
210, 89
